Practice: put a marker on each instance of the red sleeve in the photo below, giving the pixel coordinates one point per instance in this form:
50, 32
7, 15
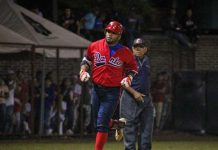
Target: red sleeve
131, 65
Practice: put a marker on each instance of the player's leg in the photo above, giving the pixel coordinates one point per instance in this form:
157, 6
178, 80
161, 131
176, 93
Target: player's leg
108, 102
95, 106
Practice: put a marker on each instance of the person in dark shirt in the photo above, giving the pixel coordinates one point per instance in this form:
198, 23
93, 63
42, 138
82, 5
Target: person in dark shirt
190, 27
136, 105
173, 29
159, 91
69, 21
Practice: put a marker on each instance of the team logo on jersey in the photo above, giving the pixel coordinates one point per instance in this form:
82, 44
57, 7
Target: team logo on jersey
99, 60
115, 62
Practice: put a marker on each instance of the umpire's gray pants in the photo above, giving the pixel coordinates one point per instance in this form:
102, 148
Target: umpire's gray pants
140, 118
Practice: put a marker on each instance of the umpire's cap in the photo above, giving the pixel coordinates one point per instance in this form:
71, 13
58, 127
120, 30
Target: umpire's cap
141, 42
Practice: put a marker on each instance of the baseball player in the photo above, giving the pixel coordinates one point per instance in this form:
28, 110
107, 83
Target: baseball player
136, 105
109, 62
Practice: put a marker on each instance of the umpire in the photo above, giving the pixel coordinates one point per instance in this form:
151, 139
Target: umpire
136, 105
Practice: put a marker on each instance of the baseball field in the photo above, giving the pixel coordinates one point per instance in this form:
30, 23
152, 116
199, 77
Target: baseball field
178, 142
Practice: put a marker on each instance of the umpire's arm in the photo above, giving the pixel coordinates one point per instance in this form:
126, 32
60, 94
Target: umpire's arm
139, 97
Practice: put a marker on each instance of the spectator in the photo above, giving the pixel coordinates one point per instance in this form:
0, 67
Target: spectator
67, 97
190, 27
159, 90
26, 117
87, 107
100, 21
4, 91
98, 31
48, 104
12, 84
69, 21
37, 99
53, 78
88, 23
21, 98
58, 117
77, 91
173, 29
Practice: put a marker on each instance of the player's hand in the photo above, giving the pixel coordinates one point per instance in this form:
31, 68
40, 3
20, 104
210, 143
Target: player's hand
84, 76
126, 81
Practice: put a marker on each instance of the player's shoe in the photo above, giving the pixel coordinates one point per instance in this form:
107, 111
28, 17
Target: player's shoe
118, 124
119, 134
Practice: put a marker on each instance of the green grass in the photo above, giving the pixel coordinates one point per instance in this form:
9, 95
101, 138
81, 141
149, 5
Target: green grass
202, 143
185, 145
157, 145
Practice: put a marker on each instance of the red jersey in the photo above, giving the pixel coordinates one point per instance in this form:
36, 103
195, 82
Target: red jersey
109, 70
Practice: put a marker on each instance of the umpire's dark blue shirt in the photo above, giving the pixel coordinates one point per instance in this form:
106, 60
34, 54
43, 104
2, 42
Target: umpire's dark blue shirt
141, 81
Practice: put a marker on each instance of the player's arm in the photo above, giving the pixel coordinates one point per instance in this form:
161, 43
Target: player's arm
139, 97
130, 68
84, 67
127, 80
